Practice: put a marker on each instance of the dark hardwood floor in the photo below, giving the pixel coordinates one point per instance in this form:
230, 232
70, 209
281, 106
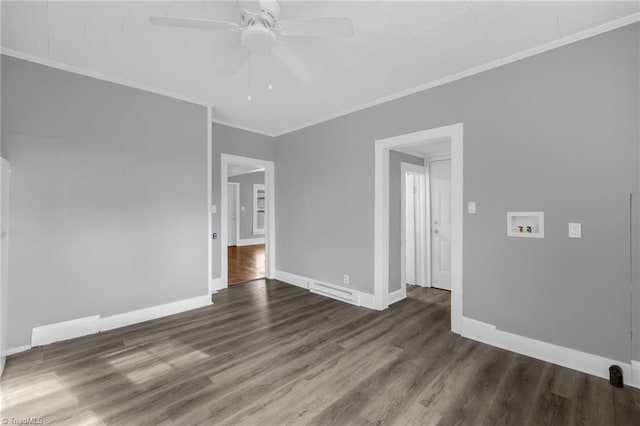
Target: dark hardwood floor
245, 263
272, 354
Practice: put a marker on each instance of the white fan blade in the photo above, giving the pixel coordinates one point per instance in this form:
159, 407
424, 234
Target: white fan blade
208, 24
230, 63
289, 58
317, 27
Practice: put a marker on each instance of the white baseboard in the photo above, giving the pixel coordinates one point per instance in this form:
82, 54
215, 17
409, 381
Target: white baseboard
635, 374
50, 333
158, 311
217, 284
397, 296
366, 300
17, 350
359, 299
250, 241
65, 330
294, 279
559, 355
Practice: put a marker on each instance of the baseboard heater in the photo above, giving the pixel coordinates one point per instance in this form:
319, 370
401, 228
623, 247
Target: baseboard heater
335, 292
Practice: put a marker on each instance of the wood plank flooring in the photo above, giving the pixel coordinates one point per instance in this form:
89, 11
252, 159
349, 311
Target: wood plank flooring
245, 263
269, 353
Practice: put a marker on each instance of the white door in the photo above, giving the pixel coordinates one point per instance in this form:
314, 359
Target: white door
232, 222
410, 230
440, 181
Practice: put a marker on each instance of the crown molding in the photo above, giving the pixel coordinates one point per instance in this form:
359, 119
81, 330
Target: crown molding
245, 128
609, 26
603, 28
99, 76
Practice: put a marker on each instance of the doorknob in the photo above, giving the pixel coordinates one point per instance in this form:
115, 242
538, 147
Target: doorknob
435, 222
435, 231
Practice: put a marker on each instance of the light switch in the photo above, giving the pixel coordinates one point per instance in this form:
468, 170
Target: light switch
575, 230
471, 207
213, 209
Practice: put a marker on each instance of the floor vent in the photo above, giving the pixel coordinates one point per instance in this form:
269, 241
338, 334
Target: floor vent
334, 291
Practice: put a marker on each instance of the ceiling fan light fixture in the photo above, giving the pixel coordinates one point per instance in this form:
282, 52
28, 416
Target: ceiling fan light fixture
257, 38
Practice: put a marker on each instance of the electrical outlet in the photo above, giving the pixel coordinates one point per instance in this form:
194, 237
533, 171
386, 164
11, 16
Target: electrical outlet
471, 208
241, 208
214, 209
346, 279
575, 230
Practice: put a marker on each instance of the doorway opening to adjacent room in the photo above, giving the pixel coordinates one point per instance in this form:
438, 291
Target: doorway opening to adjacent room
425, 217
247, 219
441, 152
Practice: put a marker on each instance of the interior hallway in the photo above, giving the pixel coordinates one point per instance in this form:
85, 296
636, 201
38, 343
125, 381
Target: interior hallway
271, 353
246, 263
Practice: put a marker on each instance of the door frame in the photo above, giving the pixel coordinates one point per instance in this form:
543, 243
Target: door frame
237, 185
270, 219
382, 147
422, 278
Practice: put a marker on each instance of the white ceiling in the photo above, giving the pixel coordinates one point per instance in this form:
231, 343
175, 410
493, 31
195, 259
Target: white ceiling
397, 46
429, 149
238, 169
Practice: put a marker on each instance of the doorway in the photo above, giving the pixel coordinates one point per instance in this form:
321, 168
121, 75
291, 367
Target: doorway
425, 223
246, 198
247, 209
453, 135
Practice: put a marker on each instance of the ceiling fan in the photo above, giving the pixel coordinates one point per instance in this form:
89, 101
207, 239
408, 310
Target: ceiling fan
262, 31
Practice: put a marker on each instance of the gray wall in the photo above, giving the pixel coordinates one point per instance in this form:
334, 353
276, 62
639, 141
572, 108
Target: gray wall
108, 197
395, 210
246, 199
230, 140
556, 132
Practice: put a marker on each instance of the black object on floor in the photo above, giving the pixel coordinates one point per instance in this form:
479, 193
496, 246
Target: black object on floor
615, 376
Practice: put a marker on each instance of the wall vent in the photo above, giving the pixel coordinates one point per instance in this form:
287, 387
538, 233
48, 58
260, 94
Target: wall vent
335, 292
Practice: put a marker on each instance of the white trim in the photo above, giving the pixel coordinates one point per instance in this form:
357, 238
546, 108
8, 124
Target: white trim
424, 276
398, 295
289, 278
153, 312
250, 241
270, 222
237, 185
65, 330
427, 167
359, 298
381, 214
590, 32
216, 284
99, 76
245, 128
259, 169
210, 198
634, 380
609, 26
17, 350
437, 157
559, 355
